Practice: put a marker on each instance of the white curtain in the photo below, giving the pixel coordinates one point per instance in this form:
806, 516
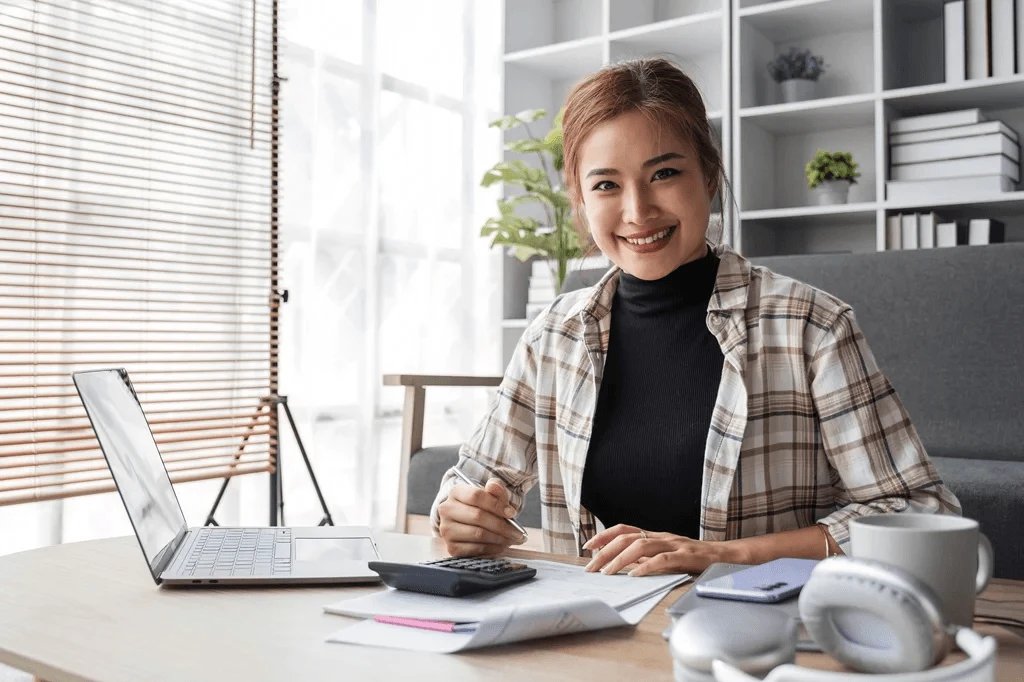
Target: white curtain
384, 138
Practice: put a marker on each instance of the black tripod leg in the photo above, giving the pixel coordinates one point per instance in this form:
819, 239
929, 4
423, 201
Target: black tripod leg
326, 520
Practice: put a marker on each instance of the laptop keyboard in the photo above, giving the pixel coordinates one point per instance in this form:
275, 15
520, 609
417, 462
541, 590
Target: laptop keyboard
225, 552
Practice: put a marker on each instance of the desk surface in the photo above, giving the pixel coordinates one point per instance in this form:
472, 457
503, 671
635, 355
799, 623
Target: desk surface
90, 611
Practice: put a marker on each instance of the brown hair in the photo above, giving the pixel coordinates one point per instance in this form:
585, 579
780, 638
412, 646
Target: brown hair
653, 86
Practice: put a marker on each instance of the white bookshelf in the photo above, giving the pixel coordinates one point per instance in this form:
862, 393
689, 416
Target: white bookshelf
885, 60
551, 44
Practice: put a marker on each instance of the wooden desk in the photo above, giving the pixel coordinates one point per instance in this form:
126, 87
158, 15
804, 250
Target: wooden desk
90, 611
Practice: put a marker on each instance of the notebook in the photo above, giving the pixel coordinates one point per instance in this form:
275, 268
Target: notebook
691, 600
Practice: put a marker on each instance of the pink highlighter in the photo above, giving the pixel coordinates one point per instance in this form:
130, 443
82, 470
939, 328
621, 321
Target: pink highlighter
435, 625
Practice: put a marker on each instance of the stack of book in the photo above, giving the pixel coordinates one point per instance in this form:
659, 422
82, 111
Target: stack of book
983, 38
927, 230
953, 155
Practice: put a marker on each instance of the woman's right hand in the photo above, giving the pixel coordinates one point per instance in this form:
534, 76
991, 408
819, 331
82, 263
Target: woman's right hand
474, 521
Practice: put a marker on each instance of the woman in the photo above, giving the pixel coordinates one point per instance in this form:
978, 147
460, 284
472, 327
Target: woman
701, 408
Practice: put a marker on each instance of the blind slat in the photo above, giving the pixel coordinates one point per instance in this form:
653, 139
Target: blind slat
61, 492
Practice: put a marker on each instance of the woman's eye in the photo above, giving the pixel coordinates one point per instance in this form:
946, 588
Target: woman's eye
604, 185
663, 173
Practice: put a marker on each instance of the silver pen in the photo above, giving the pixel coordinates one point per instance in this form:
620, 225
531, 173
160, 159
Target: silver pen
477, 485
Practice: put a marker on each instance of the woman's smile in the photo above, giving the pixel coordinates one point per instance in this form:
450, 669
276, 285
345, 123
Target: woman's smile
649, 241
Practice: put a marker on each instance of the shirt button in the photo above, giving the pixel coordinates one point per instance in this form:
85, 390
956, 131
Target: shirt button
717, 321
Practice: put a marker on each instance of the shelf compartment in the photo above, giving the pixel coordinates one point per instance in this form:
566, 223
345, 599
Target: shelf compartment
808, 216
532, 24
987, 93
782, 22
626, 14
688, 35
570, 60
1008, 203
852, 111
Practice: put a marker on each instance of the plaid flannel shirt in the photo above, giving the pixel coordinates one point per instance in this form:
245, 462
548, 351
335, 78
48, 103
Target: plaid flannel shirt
806, 428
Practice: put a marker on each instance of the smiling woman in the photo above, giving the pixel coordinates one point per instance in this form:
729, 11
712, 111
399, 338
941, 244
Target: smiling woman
723, 413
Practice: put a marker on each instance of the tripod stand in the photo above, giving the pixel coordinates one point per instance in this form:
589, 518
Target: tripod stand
276, 488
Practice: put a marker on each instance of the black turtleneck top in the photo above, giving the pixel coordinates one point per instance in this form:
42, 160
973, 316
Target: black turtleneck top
654, 406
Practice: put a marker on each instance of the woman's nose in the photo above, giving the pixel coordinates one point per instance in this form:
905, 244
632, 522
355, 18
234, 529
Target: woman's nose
639, 208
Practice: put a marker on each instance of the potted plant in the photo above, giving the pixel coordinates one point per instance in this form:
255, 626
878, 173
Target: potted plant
797, 71
831, 174
554, 238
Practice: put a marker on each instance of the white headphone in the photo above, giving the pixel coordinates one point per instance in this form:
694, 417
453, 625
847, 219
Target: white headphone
871, 616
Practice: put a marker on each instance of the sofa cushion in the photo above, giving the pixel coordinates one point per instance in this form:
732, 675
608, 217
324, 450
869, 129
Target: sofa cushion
945, 325
427, 467
990, 493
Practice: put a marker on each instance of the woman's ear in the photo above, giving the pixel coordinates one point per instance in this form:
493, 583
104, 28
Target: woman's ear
712, 189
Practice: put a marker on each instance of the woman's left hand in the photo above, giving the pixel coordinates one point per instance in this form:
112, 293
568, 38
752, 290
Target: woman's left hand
622, 545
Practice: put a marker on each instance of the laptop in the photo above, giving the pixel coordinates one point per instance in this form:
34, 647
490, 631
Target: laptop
181, 556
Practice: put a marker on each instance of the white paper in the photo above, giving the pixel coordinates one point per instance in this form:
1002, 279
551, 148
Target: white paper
555, 583
502, 626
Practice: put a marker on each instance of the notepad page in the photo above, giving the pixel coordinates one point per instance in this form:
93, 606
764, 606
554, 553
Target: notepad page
554, 583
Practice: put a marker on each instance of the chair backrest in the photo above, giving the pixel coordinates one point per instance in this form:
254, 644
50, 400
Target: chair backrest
945, 325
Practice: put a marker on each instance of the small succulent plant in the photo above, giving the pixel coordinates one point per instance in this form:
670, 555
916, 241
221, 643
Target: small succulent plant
796, 63
830, 166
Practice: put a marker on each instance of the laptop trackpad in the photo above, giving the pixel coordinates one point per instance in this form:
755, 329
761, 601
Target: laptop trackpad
334, 550
333, 557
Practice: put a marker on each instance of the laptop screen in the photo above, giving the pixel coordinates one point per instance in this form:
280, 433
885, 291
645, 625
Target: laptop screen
134, 462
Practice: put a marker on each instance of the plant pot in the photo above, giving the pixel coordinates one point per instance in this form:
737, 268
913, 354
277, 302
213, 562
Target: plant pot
799, 90
830, 192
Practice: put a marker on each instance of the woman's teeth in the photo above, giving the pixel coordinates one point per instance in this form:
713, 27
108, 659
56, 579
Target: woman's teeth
653, 238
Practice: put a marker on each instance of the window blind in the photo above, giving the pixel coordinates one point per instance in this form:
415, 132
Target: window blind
138, 229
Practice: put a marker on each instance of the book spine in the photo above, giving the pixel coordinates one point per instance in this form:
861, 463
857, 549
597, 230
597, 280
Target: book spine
892, 232
979, 56
908, 232
932, 121
963, 147
1019, 12
925, 191
992, 164
955, 42
1003, 49
954, 132
926, 230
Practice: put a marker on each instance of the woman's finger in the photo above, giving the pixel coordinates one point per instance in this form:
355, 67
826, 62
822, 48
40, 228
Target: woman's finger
675, 561
609, 534
470, 549
496, 526
611, 550
640, 547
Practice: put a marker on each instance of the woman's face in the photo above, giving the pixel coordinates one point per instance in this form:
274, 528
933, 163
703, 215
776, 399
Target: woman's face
645, 196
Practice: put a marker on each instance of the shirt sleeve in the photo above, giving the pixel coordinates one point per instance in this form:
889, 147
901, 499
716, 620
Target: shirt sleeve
878, 462
503, 444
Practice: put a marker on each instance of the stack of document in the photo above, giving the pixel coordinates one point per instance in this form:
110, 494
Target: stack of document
952, 155
561, 599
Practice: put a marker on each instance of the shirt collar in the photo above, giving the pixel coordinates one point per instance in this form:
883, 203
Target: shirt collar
732, 285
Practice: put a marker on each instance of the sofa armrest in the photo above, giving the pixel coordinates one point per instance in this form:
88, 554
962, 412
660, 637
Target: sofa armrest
412, 420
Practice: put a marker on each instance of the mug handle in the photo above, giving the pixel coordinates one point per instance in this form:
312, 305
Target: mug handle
985, 562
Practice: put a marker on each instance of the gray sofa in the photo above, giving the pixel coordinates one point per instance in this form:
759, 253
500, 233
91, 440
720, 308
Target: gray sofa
947, 327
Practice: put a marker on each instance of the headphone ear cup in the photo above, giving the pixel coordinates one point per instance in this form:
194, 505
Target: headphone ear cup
869, 622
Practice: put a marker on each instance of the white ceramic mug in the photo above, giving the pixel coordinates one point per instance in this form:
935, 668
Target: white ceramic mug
949, 553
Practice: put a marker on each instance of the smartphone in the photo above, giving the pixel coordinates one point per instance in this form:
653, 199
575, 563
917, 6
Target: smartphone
768, 582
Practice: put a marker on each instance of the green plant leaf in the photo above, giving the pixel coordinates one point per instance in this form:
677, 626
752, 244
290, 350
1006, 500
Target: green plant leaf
515, 120
514, 172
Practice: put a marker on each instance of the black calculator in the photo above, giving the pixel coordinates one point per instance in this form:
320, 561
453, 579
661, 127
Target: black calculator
454, 576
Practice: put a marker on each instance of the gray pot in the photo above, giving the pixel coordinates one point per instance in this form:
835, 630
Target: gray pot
830, 192
799, 90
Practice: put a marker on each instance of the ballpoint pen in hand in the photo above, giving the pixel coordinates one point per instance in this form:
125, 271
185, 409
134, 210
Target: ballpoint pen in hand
477, 485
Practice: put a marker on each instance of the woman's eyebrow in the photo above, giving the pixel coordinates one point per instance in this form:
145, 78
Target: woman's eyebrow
649, 162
